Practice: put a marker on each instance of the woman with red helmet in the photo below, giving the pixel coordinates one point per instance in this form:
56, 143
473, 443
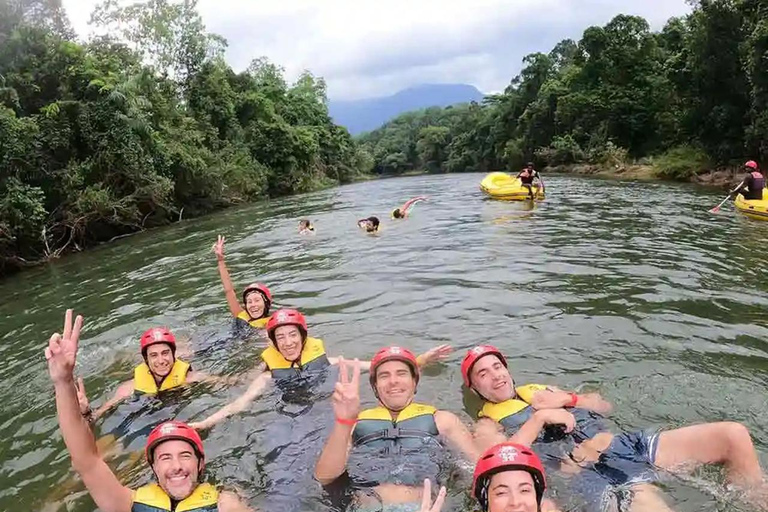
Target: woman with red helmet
407, 438
174, 450
256, 297
294, 354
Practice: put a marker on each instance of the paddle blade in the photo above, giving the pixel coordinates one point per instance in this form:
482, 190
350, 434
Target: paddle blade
715, 209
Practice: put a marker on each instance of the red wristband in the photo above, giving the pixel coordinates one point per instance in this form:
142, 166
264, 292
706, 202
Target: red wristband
574, 400
346, 422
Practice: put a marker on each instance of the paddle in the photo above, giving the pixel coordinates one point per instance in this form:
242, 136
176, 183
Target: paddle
717, 208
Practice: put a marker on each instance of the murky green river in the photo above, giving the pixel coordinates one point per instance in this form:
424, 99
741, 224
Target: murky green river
630, 289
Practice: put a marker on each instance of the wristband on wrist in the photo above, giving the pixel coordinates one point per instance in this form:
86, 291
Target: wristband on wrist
345, 422
574, 400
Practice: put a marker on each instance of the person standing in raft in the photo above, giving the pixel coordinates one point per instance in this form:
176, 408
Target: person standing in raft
256, 297
174, 450
526, 176
402, 212
306, 227
293, 354
390, 449
607, 463
751, 187
370, 225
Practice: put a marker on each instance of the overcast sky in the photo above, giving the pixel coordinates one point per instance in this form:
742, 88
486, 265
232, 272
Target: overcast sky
374, 48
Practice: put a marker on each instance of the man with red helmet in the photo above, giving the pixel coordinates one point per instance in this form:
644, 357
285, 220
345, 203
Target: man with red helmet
391, 448
174, 450
526, 176
751, 187
257, 298
292, 355
160, 371
628, 458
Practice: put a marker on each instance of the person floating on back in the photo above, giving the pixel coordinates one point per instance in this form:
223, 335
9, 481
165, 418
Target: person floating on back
306, 227
526, 176
370, 225
751, 187
402, 212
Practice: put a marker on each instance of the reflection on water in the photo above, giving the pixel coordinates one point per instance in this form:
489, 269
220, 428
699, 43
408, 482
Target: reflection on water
629, 289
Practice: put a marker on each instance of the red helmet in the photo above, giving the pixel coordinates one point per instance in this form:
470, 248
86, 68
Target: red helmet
263, 290
507, 457
473, 355
174, 430
751, 164
286, 317
157, 335
394, 354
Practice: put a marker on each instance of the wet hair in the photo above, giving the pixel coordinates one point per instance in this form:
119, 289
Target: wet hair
530, 164
396, 213
306, 224
375, 222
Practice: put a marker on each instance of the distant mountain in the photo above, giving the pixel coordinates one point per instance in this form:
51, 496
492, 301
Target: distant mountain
366, 115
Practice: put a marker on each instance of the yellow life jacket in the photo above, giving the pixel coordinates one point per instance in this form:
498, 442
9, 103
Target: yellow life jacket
258, 323
144, 381
514, 412
413, 426
152, 498
313, 358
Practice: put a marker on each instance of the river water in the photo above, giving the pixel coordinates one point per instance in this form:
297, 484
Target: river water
630, 289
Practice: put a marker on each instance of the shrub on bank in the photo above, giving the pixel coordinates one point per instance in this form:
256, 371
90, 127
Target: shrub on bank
681, 162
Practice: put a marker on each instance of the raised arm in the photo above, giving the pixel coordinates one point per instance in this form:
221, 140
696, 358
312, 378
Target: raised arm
434, 355
256, 388
229, 291
346, 406
450, 426
102, 484
411, 202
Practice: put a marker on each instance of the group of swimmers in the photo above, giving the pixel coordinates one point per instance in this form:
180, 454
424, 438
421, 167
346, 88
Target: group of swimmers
522, 432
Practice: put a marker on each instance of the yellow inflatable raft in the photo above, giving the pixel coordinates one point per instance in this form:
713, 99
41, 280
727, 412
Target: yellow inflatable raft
501, 185
754, 209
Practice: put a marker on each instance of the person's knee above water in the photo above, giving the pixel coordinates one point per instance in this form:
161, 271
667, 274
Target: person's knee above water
174, 450
402, 212
306, 227
753, 183
386, 440
293, 357
627, 457
256, 297
370, 225
160, 371
510, 477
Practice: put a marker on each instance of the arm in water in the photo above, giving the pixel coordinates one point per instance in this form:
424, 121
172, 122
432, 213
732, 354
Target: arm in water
229, 291
102, 484
346, 406
256, 388
230, 502
450, 426
123, 391
554, 398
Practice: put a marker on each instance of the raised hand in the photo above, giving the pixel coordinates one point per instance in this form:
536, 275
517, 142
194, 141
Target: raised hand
346, 396
82, 398
436, 354
61, 353
218, 248
426, 498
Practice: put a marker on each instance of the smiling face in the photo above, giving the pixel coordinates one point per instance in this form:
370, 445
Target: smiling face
512, 491
160, 359
395, 385
177, 468
289, 342
491, 379
255, 305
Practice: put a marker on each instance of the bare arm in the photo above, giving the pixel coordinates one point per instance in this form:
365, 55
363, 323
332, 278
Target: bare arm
256, 388
411, 202
554, 398
231, 502
198, 376
530, 430
102, 484
123, 391
364, 365
488, 433
434, 355
229, 291
450, 426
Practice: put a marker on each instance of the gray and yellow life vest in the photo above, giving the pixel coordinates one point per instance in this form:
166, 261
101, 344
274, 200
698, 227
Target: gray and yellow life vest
152, 498
258, 323
313, 358
144, 381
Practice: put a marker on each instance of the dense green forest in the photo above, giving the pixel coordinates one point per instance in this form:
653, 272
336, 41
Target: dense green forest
692, 96
140, 128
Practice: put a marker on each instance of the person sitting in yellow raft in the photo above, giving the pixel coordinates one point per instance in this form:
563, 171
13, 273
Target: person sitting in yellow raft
173, 450
370, 225
160, 371
293, 353
751, 187
306, 227
402, 212
526, 176
256, 297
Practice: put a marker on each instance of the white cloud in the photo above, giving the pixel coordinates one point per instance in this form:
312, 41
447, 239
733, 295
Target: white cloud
369, 48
